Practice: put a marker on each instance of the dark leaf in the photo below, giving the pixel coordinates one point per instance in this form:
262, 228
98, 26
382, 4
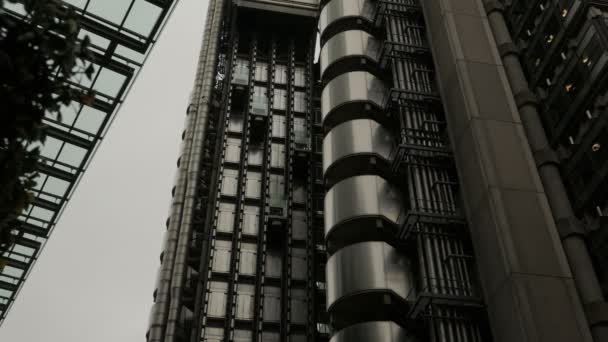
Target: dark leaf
89, 71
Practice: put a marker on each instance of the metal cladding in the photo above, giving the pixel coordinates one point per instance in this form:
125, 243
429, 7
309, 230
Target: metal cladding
328, 205
367, 279
356, 147
167, 307
337, 14
373, 332
352, 95
357, 208
359, 274
347, 48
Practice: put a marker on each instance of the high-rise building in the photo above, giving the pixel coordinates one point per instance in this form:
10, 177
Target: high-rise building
122, 34
391, 170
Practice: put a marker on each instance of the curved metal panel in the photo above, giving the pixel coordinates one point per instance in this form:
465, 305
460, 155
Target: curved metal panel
357, 208
348, 147
336, 11
350, 95
373, 332
346, 51
368, 281
365, 267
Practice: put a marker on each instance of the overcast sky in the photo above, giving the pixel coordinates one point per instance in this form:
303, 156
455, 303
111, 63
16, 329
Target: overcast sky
95, 277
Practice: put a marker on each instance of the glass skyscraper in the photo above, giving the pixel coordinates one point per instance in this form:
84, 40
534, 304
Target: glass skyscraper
391, 170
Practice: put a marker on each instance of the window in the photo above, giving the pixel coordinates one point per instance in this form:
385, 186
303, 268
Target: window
299, 228
254, 185
213, 334
11, 275
225, 221
233, 150
260, 101
274, 263
318, 117
221, 256
277, 185
244, 301
230, 182
280, 74
71, 155
272, 304
299, 193
300, 131
90, 119
20, 253
280, 99
218, 292
279, 125
236, 123
318, 173
249, 252
241, 335
299, 101
268, 336
278, 198
261, 71
299, 308
251, 220
256, 154
297, 338
241, 71
298, 263
300, 77
318, 143
277, 155
109, 82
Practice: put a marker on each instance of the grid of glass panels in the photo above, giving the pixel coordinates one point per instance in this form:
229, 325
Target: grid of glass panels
254, 181
122, 33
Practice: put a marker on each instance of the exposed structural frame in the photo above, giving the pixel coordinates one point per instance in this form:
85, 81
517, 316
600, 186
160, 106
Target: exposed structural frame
168, 297
399, 266
220, 240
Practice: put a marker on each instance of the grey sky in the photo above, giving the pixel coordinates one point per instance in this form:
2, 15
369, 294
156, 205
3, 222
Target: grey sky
95, 277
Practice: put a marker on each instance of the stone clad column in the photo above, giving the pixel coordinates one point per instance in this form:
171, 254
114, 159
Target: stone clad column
528, 286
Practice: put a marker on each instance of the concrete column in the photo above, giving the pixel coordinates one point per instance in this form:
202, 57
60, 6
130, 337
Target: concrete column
569, 229
526, 279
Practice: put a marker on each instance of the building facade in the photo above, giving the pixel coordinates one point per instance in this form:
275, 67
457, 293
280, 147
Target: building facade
122, 35
368, 170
